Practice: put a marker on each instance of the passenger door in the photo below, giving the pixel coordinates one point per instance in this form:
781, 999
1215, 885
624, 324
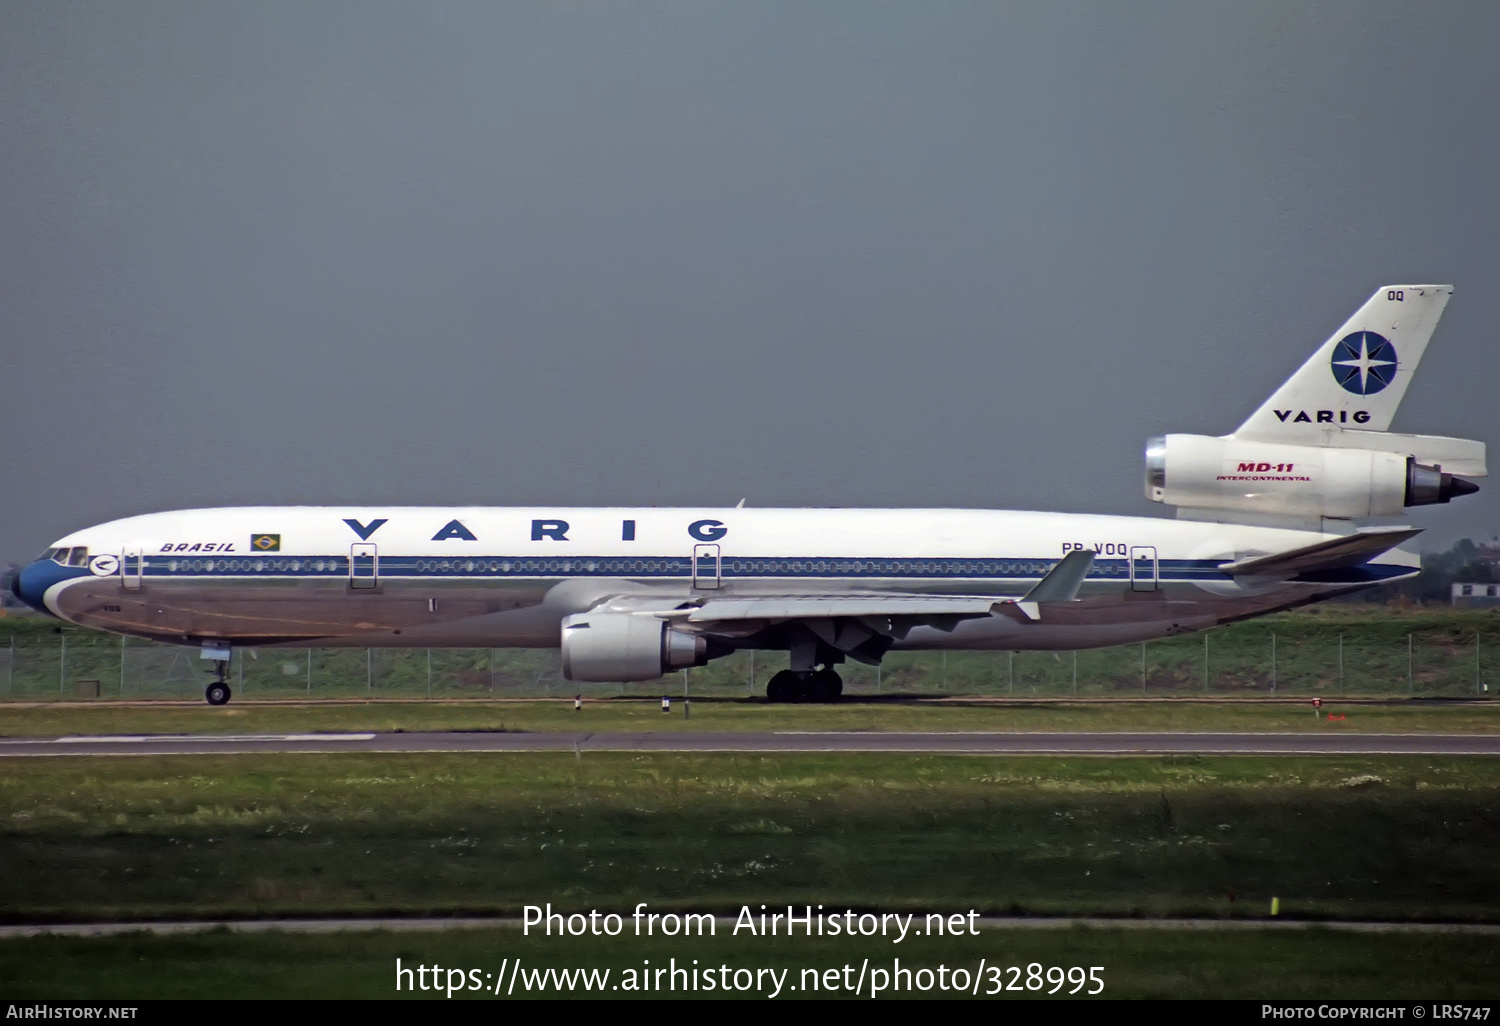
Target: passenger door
364, 565
708, 566
132, 567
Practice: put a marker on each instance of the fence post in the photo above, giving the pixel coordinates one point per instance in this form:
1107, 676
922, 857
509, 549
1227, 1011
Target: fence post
1143, 669
10, 671
1341, 664
122, 666
62, 659
751, 690
1075, 673
1408, 663
429, 673
1478, 676
1273, 662
369, 673
1011, 660
1205, 662
309, 673
241, 681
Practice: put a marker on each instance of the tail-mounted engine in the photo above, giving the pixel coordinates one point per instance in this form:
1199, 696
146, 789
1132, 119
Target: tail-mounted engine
1271, 478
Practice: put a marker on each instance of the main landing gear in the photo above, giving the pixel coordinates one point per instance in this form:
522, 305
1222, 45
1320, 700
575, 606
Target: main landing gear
218, 692
808, 686
810, 677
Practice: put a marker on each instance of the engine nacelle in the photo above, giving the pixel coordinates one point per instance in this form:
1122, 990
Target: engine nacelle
1201, 472
621, 646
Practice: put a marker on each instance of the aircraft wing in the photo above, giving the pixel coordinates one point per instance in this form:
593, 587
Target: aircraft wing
864, 625
801, 607
1352, 550
1060, 584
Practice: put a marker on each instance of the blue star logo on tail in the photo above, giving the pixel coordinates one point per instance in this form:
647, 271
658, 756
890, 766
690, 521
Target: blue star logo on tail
1364, 362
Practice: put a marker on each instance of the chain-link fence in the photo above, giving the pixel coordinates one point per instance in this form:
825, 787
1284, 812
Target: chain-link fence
1450, 656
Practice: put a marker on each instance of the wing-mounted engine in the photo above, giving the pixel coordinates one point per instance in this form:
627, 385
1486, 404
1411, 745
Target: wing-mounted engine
611, 644
1279, 479
605, 646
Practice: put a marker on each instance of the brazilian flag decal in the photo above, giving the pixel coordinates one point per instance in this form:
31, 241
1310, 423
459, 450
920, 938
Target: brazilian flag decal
265, 542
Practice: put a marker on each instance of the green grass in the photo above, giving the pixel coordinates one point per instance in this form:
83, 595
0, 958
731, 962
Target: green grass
1261, 964
251, 717
1333, 837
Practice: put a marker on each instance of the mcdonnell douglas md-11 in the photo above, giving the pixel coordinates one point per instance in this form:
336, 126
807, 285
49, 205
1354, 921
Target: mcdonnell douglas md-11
1266, 520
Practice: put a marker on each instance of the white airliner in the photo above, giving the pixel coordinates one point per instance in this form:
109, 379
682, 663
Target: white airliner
1265, 521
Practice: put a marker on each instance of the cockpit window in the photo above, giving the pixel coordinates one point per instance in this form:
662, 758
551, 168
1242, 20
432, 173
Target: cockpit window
80, 556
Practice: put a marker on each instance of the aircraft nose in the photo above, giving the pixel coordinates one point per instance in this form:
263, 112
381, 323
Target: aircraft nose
32, 583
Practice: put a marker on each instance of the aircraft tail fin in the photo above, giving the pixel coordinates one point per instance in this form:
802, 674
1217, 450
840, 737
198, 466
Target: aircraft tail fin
1356, 379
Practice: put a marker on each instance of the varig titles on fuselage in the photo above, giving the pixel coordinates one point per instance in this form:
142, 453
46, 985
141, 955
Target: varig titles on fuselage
541, 530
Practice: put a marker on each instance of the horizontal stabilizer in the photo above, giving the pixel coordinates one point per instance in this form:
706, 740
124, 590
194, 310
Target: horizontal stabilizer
1062, 581
1463, 456
1348, 551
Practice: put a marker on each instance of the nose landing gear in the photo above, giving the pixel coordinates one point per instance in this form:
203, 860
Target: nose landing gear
218, 692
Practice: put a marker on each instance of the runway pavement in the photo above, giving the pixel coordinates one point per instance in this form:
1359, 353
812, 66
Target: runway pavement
959, 743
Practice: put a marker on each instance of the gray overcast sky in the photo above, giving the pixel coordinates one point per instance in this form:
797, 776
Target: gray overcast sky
809, 253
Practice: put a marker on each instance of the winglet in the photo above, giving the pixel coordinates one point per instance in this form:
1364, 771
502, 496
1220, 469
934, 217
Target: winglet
1063, 581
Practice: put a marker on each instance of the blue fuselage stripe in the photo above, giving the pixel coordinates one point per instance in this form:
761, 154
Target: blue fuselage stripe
165, 568
730, 567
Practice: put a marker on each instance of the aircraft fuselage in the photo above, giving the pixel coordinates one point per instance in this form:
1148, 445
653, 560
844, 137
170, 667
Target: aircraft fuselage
474, 577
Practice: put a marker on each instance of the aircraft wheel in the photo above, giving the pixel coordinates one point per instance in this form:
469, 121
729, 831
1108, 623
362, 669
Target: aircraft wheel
783, 687
217, 693
825, 686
